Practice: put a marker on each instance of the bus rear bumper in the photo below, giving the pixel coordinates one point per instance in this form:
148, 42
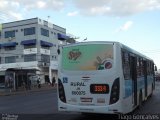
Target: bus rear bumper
109, 109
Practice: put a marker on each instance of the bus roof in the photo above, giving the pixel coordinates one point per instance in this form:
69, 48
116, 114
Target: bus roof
135, 52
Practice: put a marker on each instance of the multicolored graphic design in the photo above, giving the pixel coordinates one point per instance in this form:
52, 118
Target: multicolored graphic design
88, 57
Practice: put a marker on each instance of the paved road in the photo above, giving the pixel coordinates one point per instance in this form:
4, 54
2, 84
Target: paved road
43, 102
43, 106
152, 105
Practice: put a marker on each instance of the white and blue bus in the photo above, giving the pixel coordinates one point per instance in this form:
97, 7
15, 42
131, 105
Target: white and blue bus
103, 77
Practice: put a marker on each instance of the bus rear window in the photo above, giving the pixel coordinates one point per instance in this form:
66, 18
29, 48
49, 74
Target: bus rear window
87, 57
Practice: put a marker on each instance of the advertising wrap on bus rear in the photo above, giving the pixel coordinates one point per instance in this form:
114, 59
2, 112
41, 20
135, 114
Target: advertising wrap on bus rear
87, 57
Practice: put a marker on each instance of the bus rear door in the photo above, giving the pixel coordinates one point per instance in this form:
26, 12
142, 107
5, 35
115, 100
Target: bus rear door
133, 66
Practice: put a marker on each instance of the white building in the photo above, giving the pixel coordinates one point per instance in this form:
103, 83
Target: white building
30, 45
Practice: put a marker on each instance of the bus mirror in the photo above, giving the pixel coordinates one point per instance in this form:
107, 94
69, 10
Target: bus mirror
155, 68
58, 51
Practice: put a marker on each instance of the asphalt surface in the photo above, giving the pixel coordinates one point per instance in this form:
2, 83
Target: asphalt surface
29, 103
42, 105
152, 105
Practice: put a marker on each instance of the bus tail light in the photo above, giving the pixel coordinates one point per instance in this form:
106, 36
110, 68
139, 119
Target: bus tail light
61, 92
115, 91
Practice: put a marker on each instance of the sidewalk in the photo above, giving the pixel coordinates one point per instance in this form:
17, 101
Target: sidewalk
44, 87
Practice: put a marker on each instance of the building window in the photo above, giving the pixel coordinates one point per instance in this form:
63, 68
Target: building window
9, 34
29, 31
30, 57
10, 48
29, 46
10, 59
45, 58
54, 57
44, 32
45, 47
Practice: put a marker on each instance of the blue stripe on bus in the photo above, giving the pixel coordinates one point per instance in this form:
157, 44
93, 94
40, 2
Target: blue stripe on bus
141, 82
140, 85
150, 79
128, 88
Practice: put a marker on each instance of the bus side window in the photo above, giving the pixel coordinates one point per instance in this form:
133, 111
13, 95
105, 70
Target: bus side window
139, 67
141, 61
148, 68
125, 65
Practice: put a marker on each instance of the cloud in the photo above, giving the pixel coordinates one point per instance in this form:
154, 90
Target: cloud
9, 10
100, 10
41, 4
115, 8
125, 27
74, 13
16, 9
15, 15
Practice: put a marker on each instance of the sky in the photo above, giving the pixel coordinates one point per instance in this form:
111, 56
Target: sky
135, 23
